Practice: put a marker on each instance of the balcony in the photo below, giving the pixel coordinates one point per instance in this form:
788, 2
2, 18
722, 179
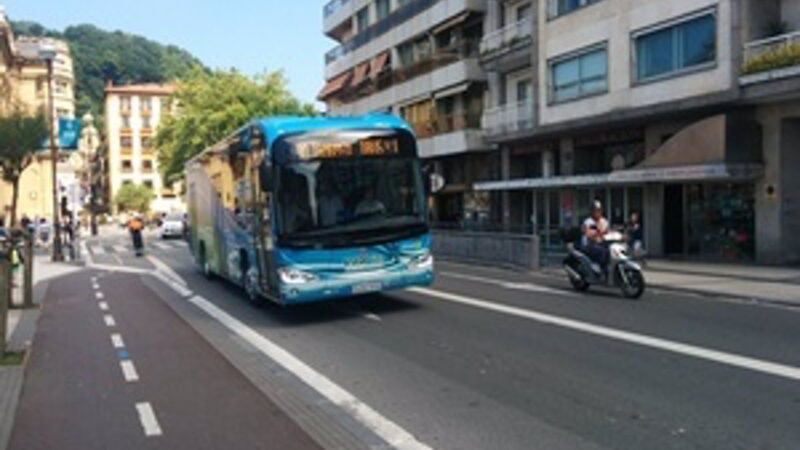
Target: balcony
509, 46
508, 119
450, 134
772, 58
334, 13
394, 29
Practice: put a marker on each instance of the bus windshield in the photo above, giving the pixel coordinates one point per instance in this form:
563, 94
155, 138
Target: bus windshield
341, 189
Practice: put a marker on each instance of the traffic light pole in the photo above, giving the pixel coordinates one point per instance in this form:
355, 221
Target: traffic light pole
58, 254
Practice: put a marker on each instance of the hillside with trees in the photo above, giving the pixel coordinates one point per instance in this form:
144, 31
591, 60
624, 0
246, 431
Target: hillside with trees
100, 55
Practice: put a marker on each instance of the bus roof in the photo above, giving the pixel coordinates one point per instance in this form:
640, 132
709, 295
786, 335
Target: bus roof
275, 127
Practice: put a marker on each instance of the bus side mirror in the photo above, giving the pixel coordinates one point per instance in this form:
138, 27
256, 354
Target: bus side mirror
265, 177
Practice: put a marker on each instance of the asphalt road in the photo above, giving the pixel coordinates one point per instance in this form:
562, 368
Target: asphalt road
503, 360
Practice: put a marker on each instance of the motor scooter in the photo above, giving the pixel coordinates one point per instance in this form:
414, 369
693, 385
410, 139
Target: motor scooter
622, 272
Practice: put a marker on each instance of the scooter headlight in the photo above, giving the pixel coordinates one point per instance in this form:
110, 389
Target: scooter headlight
289, 275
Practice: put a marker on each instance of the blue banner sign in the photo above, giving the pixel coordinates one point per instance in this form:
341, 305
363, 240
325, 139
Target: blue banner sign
69, 134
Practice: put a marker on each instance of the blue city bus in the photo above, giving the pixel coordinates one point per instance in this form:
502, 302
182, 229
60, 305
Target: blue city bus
300, 210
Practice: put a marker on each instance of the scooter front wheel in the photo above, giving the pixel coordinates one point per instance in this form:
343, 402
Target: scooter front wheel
632, 284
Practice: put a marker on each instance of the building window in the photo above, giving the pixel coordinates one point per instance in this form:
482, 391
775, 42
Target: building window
147, 142
676, 48
127, 165
145, 104
126, 142
147, 165
148, 184
126, 121
125, 103
146, 122
580, 75
362, 19
561, 7
127, 182
382, 8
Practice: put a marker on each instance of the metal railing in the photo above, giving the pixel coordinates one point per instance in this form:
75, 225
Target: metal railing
509, 118
507, 37
438, 58
762, 46
333, 6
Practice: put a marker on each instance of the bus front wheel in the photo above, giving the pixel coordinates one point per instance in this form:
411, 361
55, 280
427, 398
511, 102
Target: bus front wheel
204, 265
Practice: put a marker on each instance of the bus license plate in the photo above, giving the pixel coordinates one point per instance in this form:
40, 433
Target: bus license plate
363, 288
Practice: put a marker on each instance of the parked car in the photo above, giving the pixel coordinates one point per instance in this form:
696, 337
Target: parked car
171, 226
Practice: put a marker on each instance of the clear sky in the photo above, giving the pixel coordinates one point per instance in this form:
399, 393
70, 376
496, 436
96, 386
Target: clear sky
250, 35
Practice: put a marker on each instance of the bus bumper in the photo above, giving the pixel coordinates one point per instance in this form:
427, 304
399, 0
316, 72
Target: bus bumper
335, 288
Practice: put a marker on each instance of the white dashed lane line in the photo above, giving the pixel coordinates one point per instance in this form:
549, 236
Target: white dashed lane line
109, 320
99, 295
148, 419
103, 306
116, 341
129, 371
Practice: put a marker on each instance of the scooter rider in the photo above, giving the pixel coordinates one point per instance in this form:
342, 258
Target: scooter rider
594, 228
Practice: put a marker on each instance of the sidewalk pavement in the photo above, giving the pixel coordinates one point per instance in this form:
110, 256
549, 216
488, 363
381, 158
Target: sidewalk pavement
758, 283
20, 331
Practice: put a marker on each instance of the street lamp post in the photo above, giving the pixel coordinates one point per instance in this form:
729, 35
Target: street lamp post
48, 53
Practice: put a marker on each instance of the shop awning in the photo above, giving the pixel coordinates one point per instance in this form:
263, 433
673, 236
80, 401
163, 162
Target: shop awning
335, 85
360, 74
720, 148
453, 90
450, 23
379, 64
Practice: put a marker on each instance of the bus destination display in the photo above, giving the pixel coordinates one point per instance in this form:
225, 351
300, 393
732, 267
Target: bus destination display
377, 146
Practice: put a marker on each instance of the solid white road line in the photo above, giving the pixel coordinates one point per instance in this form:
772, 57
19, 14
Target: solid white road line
103, 306
116, 341
98, 250
392, 433
99, 295
182, 290
117, 259
109, 320
129, 371
162, 267
506, 284
148, 419
86, 254
120, 269
731, 359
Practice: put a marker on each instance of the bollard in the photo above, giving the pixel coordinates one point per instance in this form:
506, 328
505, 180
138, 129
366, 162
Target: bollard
27, 283
5, 298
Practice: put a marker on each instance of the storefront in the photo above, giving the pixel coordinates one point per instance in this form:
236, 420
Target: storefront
695, 194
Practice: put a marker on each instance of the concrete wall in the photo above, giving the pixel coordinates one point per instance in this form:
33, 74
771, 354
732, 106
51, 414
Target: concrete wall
790, 13
613, 22
790, 195
518, 250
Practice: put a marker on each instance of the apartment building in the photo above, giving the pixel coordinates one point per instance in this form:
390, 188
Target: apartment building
132, 114
24, 80
418, 59
686, 111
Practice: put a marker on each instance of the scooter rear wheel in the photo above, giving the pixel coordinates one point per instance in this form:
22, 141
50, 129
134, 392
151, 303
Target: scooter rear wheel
579, 285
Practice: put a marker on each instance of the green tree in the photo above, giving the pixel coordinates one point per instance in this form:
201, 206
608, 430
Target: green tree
212, 106
21, 136
132, 197
100, 56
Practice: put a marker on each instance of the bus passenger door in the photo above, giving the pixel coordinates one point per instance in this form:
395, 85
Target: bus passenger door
262, 194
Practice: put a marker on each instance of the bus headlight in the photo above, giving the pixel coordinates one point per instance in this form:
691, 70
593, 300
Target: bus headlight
294, 276
424, 261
